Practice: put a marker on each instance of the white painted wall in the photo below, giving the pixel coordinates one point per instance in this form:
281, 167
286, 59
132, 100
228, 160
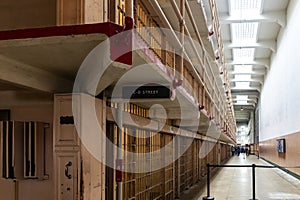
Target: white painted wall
280, 97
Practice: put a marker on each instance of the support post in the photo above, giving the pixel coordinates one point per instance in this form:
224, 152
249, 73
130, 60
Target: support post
182, 24
120, 152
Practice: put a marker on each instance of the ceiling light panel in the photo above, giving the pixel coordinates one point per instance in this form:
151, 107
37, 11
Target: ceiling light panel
244, 32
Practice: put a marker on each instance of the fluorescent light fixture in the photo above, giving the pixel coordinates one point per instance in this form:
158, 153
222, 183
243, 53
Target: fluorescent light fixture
242, 85
242, 77
245, 8
244, 32
243, 69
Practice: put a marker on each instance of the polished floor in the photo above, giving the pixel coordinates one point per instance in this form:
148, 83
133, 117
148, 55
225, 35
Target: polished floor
236, 183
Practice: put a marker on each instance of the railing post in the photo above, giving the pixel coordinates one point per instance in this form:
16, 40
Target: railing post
208, 197
253, 182
120, 161
208, 180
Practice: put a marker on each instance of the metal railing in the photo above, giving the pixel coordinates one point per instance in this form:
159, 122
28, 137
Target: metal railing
205, 89
253, 166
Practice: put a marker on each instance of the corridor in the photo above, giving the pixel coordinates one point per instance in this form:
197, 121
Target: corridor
236, 183
131, 99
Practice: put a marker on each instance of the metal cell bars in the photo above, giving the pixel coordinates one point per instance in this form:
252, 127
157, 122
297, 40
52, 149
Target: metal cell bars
209, 85
212, 98
152, 36
131, 108
216, 95
152, 184
216, 25
168, 171
159, 184
121, 11
129, 145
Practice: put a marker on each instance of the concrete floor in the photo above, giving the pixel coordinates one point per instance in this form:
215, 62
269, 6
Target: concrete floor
236, 183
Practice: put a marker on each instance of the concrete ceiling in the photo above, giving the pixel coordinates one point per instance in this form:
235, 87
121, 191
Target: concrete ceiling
271, 20
47, 64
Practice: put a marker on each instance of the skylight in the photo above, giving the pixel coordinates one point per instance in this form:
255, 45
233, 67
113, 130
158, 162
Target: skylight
244, 32
242, 85
242, 77
245, 8
241, 97
243, 55
243, 69
241, 102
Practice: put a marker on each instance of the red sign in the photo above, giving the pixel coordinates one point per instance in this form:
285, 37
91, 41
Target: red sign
120, 170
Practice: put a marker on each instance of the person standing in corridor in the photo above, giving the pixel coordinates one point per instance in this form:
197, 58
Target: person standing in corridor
232, 150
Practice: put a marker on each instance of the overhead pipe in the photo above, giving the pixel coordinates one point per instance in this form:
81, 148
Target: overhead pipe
129, 15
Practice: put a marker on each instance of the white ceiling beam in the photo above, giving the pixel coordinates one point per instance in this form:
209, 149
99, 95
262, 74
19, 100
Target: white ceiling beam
264, 62
234, 88
173, 113
10, 98
253, 72
27, 76
245, 92
234, 95
267, 44
257, 80
278, 17
248, 100
245, 104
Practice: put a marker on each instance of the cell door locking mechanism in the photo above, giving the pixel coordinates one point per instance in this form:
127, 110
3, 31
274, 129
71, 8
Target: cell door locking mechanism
69, 164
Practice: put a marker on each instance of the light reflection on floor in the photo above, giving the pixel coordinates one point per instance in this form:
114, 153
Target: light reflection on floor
236, 183
282, 196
